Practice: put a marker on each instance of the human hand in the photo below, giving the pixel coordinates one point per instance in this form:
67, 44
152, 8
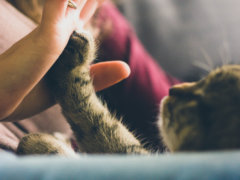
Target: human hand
29, 59
59, 21
104, 74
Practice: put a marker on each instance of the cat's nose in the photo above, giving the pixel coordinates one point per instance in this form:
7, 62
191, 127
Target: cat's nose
180, 89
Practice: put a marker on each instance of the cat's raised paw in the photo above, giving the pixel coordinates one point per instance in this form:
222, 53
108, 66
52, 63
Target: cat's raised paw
80, 50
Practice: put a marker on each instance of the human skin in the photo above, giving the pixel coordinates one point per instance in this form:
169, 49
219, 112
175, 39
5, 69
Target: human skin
23, 66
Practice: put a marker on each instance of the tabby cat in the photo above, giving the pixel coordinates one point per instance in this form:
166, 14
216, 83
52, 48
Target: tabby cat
203, 115
195, 116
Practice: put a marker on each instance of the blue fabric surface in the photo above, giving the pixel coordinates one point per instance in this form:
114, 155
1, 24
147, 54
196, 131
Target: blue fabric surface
183, 166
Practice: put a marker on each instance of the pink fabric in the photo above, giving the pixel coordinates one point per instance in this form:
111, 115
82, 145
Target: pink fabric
13, 25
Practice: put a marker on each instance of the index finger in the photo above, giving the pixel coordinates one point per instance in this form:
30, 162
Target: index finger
89, 9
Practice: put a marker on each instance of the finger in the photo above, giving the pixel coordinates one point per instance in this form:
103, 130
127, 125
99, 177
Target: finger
54, 10
88, 10
80, 4
100, 1
106, 74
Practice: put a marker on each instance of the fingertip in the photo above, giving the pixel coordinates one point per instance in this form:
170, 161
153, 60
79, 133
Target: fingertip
123, 68
106, 74
88, 10
54, 9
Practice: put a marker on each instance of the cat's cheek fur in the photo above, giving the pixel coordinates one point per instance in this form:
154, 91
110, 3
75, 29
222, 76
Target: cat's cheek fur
163, 123
172, 131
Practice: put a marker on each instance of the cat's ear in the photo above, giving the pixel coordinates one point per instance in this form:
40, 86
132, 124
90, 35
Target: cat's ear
181, 89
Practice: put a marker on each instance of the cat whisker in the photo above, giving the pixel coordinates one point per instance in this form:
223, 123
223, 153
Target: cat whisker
207, 58
206, 64
224, 52
202, 66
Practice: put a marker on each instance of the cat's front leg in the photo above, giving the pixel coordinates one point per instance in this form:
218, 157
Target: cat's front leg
95, 128
39, 143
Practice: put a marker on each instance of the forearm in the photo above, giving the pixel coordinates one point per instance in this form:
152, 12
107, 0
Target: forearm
38, 100
21, 68
26, 62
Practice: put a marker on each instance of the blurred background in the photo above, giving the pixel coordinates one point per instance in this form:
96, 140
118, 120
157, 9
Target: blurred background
188, 38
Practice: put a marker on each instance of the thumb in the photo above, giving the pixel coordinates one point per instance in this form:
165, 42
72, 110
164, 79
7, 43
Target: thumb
106, 74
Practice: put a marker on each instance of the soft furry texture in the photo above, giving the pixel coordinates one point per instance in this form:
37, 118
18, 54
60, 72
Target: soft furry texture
203, 115
195, 116
95, 128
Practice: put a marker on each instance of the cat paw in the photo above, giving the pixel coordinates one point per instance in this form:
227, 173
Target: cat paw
80, 50
44, 144
72, 65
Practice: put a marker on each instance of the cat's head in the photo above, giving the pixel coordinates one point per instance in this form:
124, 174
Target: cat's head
203, 115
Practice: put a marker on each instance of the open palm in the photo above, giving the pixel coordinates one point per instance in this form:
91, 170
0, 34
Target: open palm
59, 21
